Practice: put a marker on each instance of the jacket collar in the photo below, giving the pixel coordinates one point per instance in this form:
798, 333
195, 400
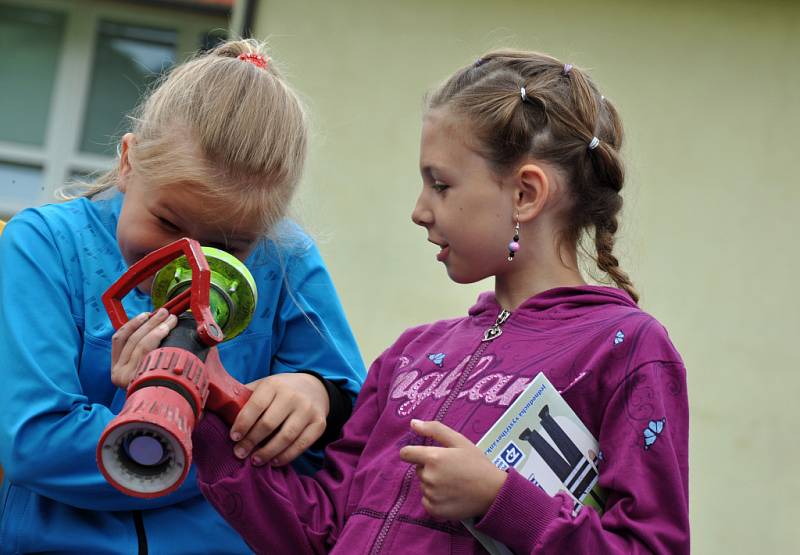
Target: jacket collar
559, 302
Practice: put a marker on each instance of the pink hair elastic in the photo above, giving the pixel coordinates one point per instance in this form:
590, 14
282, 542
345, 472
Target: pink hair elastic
567, 69
258, 60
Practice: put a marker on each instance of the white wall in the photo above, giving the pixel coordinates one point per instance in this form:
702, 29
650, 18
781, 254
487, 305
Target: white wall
709, 98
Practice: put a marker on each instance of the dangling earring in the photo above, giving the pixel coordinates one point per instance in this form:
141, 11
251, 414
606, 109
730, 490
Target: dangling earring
513, 246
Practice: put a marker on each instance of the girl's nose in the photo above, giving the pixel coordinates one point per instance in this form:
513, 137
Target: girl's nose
421, 215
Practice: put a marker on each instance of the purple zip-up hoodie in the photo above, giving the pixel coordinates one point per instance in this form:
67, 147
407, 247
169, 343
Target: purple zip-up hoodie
615, 367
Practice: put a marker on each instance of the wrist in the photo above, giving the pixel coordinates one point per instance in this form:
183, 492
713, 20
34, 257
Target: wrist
318, 389
495, 482
326, 387
339, 409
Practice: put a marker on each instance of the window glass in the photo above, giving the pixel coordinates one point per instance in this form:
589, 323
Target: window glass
20, 185
127, 60
30, 42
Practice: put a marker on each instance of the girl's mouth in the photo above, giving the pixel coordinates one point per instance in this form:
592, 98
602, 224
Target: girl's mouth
442, 254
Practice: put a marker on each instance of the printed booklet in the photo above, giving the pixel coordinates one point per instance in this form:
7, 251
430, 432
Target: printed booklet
545, 441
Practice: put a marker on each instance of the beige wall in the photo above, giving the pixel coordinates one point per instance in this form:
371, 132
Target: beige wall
709, 97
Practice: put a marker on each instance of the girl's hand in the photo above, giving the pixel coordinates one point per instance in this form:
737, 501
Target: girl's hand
134, 340
457, 480
291, 408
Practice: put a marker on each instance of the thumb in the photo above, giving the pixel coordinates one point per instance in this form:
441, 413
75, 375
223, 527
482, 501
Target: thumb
440, 433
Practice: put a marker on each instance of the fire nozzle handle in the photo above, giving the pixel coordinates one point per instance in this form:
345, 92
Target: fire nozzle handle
196, 298
226, 395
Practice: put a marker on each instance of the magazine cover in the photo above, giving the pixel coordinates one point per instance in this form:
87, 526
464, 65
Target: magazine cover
544, 440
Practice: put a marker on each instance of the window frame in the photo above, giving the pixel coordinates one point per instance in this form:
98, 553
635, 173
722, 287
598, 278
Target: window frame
59, 157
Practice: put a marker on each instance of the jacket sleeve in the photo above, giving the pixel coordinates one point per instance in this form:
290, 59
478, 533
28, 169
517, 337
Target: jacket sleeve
275, 509
48, 428
314, 332
645, 475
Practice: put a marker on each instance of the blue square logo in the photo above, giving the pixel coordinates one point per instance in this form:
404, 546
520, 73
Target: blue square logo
512, 454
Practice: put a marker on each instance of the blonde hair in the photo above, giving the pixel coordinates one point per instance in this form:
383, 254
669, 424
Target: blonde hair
236, 130
520, 104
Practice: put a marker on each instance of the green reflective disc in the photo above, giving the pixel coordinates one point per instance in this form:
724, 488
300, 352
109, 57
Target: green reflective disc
233, 294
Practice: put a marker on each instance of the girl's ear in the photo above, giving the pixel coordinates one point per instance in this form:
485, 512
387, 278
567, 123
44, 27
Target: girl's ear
124, 169
532, 190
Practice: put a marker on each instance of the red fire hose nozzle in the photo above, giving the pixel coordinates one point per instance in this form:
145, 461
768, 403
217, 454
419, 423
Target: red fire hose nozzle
146, 450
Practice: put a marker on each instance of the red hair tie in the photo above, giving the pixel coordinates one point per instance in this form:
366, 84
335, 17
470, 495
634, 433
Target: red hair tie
257, 60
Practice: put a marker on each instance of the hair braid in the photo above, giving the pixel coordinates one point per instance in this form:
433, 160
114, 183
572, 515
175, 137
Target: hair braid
604, 231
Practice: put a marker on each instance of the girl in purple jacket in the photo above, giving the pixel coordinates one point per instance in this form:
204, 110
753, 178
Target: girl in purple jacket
519, 160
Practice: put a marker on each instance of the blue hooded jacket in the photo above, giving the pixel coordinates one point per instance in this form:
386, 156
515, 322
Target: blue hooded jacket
57, 397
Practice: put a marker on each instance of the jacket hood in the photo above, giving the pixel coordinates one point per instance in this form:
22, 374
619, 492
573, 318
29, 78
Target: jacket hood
560, 302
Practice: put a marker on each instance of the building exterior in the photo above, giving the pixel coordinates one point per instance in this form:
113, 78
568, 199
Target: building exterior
707, 91
69, 73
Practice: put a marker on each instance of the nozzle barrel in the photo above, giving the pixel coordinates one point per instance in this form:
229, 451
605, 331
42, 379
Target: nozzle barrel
146, 451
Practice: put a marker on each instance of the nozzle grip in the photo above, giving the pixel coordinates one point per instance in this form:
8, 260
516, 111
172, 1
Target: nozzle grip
226, 396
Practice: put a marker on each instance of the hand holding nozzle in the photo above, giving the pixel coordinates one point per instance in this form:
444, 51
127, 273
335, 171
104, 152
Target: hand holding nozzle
146, 450
137, 337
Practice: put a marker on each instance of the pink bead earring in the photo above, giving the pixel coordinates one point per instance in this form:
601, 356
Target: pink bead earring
513, 246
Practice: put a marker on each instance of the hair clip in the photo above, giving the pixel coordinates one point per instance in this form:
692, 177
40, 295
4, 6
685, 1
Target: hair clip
567, 69
479, 62
594, 143
258, 60
523, 94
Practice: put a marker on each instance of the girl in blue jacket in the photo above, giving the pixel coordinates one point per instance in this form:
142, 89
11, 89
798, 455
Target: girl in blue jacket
215, 154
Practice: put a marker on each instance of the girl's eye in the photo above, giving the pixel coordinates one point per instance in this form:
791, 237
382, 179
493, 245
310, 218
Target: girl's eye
220, 247
439, 187
167, 224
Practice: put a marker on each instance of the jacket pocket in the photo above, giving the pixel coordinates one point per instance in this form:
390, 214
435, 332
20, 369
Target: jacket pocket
94, 370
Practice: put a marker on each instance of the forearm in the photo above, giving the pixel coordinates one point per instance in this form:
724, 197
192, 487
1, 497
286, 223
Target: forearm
273, 508
341, 407
550, 527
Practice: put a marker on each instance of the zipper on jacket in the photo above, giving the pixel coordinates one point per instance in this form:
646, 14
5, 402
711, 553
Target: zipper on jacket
489, 335
141, 537
495, 331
